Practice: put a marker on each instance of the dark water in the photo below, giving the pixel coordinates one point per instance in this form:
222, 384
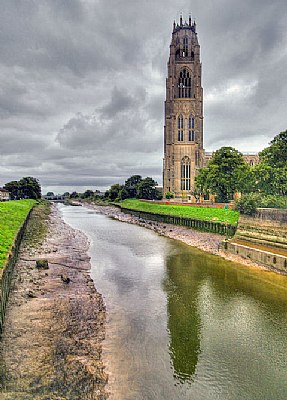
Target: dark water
183, 324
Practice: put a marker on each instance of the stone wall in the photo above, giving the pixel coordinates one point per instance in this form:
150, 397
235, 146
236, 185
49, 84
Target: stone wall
7, 272
273, 214
265, 258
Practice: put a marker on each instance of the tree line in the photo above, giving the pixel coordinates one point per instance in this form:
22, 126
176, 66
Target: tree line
228, 173
134, 187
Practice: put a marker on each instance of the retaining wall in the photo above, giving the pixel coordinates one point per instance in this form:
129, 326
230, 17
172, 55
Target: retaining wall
262, 257
273, 214
198, 224
6, 273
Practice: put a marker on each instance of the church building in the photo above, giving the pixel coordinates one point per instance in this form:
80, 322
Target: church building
183, 130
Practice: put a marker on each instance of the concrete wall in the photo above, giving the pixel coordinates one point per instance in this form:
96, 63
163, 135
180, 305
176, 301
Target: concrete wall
273, 214
6, 273
264, 258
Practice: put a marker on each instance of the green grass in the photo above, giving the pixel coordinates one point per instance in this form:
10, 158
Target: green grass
206, 214
12, 216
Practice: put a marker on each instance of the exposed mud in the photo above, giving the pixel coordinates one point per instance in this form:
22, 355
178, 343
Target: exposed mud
55, 323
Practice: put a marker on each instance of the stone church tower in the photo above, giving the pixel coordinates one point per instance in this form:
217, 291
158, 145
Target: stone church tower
183, 130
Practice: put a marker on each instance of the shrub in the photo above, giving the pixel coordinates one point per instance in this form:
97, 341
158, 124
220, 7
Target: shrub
246, 205
169, 195
271, 201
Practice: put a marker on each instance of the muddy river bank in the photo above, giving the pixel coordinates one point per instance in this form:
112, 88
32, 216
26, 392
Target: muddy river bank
55, 324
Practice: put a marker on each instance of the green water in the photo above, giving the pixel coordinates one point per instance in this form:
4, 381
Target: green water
183, 324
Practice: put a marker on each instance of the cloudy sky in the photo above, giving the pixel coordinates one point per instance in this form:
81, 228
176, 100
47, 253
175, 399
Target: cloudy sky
82, 84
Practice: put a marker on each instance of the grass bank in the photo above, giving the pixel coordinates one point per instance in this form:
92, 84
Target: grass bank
200, 213
12, 217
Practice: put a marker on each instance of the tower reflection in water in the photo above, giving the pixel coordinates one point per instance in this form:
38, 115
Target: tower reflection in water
182, 288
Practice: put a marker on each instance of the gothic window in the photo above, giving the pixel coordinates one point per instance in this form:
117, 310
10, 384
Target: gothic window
185, 173
192, 56
180, 128
185, 47
191, 135
190, 122
184, 84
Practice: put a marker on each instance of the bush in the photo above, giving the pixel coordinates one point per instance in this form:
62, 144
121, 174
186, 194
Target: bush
246, 205
169, 195
249, 202
270, 201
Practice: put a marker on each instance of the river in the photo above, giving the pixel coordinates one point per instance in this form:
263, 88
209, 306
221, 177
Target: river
181, 323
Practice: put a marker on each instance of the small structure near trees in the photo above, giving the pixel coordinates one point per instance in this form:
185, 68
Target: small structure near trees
4, 194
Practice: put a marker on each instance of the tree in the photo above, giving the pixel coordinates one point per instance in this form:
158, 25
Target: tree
123, 194
264, 179
50, 194
25, 188
30, 188
131, 185
13, 189
74, 195
226, 173
114, 191
271, 173
275, 154
147, 189
87, 194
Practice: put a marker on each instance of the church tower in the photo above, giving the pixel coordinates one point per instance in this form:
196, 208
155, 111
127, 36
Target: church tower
183, 130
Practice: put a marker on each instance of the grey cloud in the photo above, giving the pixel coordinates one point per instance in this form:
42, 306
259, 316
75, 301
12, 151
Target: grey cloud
82, 83
121, 101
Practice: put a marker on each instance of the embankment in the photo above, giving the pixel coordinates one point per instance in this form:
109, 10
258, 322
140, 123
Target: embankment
6, 273
262, 239
55, 322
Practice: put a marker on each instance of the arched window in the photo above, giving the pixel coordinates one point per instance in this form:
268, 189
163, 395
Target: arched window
185, 47
191, 135
184, 84
190, 122
180, 128
185, 173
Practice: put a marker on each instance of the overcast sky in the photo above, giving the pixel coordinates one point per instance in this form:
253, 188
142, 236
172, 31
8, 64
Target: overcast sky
82, 84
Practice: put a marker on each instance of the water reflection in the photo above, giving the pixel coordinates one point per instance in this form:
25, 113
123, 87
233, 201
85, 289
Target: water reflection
183, 314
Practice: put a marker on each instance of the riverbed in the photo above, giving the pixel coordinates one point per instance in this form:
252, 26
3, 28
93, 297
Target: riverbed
181, 323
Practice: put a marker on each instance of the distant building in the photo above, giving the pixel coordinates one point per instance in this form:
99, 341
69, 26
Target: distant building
251, 159
4, 195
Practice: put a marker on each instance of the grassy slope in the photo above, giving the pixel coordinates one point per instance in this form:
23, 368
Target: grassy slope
12, 216
207, 214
